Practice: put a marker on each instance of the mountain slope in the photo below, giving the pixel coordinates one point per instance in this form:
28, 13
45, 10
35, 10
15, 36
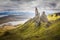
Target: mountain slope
29, 31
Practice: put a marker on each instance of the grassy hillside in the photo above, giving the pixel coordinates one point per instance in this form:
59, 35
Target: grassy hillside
51, 33
29, 31
53, 17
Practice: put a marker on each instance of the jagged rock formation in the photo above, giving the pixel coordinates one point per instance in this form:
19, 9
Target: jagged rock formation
44, 17
39, 19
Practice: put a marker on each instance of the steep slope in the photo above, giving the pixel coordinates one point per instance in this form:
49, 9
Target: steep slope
29, 31
51, 33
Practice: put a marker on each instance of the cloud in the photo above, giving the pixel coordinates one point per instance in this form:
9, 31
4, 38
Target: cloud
52, 4
49, 6
21, 0
29, 5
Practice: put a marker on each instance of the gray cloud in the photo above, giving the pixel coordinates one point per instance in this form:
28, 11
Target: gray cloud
52, 4
28, 5
21, 0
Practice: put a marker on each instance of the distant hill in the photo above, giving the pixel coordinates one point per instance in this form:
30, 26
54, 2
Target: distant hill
53, 16
12, 18
15, 13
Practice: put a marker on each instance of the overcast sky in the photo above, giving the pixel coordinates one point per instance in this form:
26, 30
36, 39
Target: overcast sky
29, 5
49, 6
